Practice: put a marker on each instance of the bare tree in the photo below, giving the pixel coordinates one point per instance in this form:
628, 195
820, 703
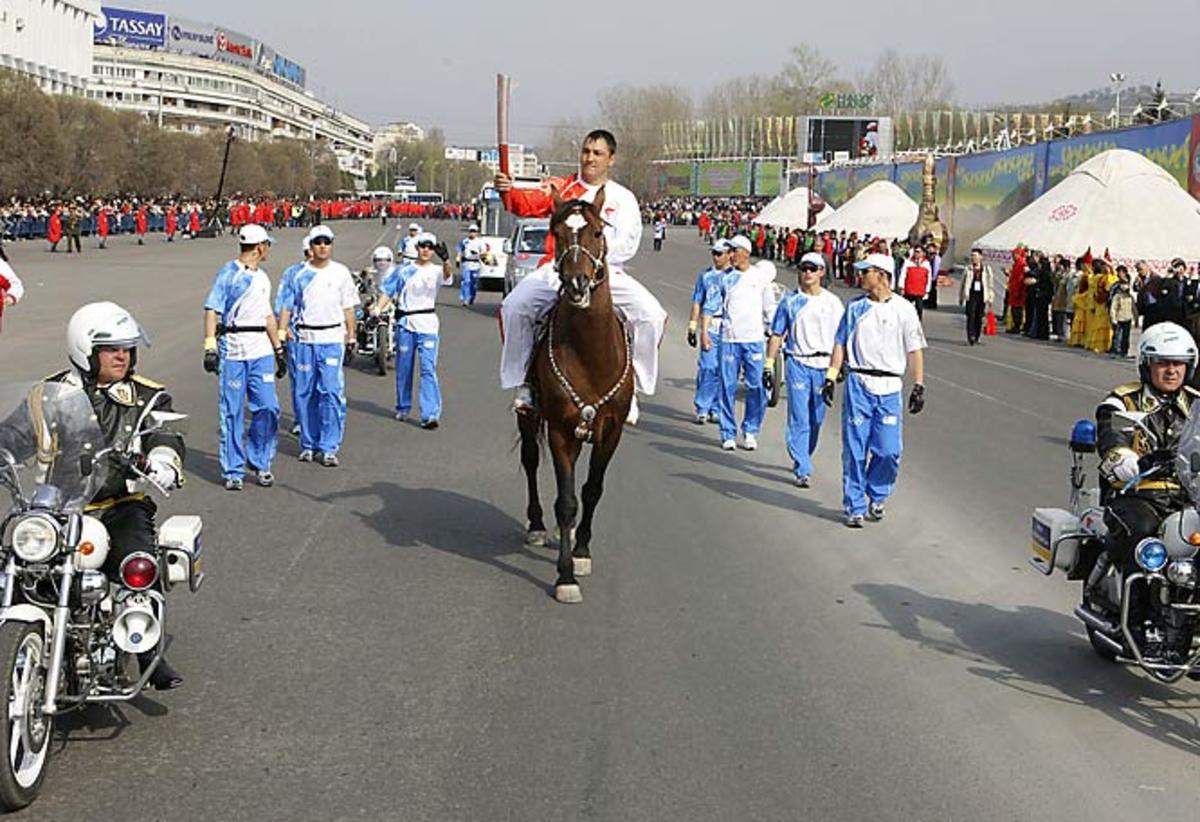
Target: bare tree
908, 82
635, 116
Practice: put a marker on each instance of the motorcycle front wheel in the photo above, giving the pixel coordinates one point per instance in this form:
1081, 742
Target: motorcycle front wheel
25, 734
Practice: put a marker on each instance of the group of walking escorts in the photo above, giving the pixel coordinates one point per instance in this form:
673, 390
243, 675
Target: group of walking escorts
251, 342
875, 339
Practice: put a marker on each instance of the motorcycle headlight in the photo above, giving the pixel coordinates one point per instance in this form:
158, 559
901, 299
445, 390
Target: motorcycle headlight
35, 538
1151, 555
1182, 572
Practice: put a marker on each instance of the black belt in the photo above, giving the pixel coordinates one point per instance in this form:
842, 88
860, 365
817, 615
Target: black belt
875, 372
306, 327
816, 354
223, 329
415, 311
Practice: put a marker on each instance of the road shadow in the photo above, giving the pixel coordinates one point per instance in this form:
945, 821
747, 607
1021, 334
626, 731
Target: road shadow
373, 409
1040, 653
204, 465
713, 455
446, 521
792, 501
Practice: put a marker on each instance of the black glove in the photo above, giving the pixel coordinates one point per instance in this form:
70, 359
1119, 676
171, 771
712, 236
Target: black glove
212, 362
827, 392
442, 252
280, 363
769, 380
1156, 459
691, 338
916, 400
842, 374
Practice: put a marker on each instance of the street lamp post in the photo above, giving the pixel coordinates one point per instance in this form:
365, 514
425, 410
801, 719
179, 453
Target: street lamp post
1118, 78
417, 174
211, 229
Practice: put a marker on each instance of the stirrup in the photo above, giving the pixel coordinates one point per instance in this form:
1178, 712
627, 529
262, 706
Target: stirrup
523, 400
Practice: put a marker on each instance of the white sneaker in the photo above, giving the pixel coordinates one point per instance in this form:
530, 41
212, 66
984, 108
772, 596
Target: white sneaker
522, 399
729, 445
749, 442
632, 417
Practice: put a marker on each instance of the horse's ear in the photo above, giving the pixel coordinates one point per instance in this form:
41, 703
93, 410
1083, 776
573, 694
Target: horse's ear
598, 202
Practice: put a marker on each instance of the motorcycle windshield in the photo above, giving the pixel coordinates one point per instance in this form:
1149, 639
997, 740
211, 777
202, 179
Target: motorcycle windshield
48, 437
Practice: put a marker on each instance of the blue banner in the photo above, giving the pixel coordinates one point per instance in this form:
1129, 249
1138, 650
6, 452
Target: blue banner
285, 68
1166, 144
125, 27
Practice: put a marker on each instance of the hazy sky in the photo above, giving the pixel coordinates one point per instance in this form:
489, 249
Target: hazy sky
435, 62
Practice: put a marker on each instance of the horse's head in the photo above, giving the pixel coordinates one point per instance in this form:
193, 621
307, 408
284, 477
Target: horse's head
579, 247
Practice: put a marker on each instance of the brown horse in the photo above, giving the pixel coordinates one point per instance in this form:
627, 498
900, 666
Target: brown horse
582, 378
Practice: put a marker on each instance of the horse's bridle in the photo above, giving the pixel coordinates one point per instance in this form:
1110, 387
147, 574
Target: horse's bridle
599, 266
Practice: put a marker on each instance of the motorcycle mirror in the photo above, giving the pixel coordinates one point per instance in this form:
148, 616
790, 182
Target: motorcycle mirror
1194, 462
85, 465
170, 421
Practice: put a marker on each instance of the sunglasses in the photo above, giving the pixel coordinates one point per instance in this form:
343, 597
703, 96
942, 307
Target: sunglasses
810, 267
426, 245
320, 241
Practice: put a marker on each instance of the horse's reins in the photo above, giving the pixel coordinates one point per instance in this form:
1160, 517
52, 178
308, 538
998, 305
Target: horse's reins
587, 413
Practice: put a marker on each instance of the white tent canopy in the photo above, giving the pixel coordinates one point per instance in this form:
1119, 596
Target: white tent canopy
1119, 202
789, 211
882, 209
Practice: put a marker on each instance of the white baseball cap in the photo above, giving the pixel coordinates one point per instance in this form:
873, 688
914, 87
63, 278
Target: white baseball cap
473, 227
814, 258
741, 241
426, 237
413, 227
320, 231
880, 261
720, 246
253, 234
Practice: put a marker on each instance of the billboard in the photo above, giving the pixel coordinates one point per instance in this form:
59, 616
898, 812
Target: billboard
1194, 167
191, 37
989, 188
675, 179
452, 153
723, 179
292, 72
767, 174
125, 27
233, 47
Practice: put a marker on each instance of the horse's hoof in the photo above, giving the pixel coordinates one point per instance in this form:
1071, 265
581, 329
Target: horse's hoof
536, 539
583, 566
568, 594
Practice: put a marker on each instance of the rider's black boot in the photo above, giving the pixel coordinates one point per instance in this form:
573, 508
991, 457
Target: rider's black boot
164, 678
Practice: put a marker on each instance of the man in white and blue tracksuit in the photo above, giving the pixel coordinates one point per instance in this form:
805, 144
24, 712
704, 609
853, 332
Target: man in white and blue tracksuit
708, 378
413, 289
744, 295
879, 335
470, 256
285, 295
323, 305
806, 322
242, 347
406, 248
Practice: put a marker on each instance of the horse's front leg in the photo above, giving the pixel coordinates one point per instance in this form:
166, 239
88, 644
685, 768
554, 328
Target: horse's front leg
528, 425
602, 452
564, 449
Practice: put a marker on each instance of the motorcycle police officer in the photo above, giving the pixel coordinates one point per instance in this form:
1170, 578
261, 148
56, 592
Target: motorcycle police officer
1167, 358
102, 348
249, 360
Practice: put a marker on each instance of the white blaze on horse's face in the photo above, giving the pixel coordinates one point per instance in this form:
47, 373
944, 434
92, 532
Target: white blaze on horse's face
575, 222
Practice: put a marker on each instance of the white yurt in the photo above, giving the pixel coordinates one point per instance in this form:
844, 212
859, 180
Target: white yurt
1119, 202
882, 209
789, 211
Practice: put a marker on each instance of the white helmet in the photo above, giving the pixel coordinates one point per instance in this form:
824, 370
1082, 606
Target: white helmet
100, 324
1166, 342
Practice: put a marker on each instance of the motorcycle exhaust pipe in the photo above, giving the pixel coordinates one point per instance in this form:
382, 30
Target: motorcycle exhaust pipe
1095, 621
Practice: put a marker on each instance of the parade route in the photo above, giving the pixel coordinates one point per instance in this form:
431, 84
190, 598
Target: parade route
376, 642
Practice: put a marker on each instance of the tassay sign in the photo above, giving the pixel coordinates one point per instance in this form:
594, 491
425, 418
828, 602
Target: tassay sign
126, 27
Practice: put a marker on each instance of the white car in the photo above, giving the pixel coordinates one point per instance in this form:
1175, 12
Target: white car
493, 262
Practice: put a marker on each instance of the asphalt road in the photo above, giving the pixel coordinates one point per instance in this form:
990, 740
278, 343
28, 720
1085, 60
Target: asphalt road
375, 642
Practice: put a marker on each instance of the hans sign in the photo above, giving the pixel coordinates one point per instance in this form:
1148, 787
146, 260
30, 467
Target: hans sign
234, 48
126, 27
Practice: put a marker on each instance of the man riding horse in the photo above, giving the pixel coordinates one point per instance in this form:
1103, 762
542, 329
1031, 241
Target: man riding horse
536, 294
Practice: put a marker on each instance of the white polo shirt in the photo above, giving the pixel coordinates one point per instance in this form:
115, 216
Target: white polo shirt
879, 336
323, 295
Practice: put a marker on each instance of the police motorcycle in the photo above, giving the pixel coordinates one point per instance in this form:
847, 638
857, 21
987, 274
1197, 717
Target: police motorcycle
1162, 636
373, 332
70, 635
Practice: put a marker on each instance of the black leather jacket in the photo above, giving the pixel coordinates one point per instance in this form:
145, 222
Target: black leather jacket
1166, 415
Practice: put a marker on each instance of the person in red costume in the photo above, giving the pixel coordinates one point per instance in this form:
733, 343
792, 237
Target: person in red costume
1016, 291
102, 212
194, 221
537, 293
172, 224
54, 229
139, 221
11, 289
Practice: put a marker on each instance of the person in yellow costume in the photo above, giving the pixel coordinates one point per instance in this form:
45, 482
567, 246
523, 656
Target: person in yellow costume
1080, 301
1099, 326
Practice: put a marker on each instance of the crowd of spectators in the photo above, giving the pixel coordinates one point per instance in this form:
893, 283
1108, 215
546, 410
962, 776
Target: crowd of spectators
1094, 304
63, 222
